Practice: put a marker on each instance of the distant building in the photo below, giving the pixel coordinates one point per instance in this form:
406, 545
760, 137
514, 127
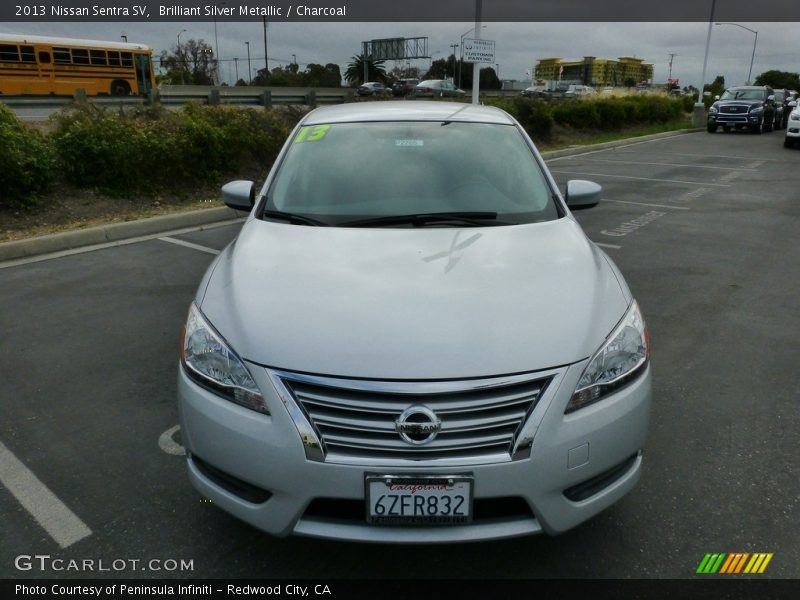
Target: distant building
597, 72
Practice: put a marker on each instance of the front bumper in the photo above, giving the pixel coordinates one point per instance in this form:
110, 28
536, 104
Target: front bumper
734, 120
266, 453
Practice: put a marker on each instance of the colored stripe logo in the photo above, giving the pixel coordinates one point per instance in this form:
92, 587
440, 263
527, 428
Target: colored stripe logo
734, 563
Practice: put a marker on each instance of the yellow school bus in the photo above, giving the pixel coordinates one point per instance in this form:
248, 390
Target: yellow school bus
38, 65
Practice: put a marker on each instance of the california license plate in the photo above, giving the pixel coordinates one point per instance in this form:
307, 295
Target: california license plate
419, 500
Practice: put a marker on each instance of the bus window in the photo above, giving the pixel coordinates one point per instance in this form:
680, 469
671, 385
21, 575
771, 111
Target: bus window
28, 55
98, 57
44, 58
127, 59
61, 56
80, 56
113, 58
9, 53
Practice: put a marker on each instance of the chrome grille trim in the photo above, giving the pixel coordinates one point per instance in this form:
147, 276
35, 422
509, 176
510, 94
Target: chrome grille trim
352, 421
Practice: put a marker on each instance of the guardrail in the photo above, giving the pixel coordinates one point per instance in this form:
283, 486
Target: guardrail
174, 95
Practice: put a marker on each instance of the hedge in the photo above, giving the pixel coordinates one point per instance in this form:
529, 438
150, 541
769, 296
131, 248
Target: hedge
152, 148
27, 162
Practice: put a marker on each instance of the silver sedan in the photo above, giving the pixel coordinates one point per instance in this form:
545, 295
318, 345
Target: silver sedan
412, 339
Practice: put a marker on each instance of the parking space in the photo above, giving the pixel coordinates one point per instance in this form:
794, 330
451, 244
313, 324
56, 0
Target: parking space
705, 229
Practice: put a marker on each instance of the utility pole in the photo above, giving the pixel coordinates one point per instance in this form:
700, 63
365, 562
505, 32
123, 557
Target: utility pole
236, 63
454, 46
671, 56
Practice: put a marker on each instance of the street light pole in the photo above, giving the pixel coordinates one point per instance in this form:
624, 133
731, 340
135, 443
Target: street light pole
454, 46
698, 115
249, 69
266, 59
216, 46
755, 41
236, 64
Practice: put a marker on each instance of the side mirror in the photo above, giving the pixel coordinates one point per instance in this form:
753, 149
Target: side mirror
239, 195
582, 194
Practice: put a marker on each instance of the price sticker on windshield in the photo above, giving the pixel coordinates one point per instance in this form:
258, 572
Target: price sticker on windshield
314, 133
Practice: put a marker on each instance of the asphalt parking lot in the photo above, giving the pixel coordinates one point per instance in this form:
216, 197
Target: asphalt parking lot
705, 229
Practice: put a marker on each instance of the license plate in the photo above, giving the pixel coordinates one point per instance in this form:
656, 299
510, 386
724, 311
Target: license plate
419, 500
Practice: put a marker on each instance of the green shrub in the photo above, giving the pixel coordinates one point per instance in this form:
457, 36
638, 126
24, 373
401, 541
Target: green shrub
148, 149
27, 165
577, 114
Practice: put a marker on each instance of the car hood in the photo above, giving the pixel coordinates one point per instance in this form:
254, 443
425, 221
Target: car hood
416, 303
749, 103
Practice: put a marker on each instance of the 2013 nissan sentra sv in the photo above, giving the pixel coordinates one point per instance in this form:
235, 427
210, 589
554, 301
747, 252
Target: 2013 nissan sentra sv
412, 340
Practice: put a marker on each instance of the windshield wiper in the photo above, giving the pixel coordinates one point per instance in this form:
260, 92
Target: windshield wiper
478, 219
293, 218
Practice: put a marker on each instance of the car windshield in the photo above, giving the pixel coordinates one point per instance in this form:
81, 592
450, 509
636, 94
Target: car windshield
342, 172
742, 95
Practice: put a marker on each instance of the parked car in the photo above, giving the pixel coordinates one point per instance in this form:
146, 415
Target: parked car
751, 107
406, 362
372, 88
782, 108
579, 91
438, 88
793, 128
403, 87
534, 91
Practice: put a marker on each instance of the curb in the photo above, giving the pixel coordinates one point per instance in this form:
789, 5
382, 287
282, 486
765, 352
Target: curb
103, 234
616, 143
114, 232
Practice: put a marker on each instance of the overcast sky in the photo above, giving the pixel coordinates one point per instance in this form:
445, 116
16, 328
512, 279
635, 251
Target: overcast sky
518, 45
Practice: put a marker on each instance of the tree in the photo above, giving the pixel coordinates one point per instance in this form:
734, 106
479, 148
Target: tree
437, 70
716, 87
192, 63
779, 79
354, 74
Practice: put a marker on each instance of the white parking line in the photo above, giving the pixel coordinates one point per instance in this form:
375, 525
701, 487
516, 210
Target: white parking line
647, 204
614, 246
48, 511
640, 178
168, 444
660, 164
145, 238
173, 240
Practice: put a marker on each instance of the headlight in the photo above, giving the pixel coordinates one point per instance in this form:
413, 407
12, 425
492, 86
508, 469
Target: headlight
757, 109
713, 110
212, 363
621, 357
795, 116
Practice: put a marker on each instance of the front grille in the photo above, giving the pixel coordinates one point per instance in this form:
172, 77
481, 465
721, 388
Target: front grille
736, 109
482, 420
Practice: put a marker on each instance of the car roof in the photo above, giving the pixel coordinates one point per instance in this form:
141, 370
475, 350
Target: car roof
408, 111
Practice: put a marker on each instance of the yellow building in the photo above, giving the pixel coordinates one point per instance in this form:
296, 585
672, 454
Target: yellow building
598, 72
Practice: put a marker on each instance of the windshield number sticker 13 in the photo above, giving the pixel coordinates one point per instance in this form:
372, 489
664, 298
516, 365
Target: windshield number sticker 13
316, 134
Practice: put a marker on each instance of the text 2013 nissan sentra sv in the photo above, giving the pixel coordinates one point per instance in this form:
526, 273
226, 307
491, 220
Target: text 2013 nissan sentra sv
412, 340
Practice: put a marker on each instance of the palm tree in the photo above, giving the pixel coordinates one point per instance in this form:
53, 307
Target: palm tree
355, 70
